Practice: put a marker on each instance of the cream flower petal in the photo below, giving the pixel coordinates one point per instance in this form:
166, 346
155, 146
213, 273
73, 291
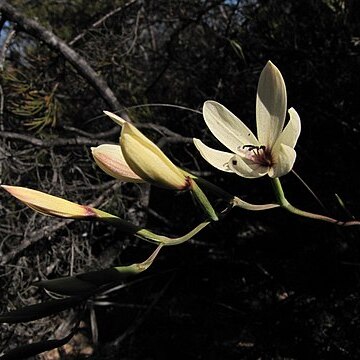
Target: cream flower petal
147, 160
284, 160
116, 118
247, 168
270, 105
291, 133
226, 127
216, 158
49, 204
110, 159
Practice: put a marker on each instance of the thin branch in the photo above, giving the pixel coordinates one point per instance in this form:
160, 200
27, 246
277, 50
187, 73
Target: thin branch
100, 135
80, 140
1, 108
76, 141
309, 189
164, 105
33, 28
7, 41
178, 139
102, 20
92, 139
9, 36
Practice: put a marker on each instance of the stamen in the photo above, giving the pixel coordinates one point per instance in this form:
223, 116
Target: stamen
250, 147
258, 154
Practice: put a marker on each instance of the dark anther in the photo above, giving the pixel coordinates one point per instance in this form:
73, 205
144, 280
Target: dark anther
254, 147
250, 147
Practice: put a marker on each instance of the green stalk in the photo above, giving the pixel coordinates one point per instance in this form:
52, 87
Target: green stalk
202, 200
233, 201
167, 241
213, 188
284, 203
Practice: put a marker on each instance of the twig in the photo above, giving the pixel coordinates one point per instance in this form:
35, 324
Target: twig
309, 189
102, 20
9, 36
100, 135
1, 109
76, 141
174, 140
164, 105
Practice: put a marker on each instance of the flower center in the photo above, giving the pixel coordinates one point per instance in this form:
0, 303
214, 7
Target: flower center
258, 154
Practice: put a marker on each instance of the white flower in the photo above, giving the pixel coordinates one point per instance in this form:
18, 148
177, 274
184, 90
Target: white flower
272, 152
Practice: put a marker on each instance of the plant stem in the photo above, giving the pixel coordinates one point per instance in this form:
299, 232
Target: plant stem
284, 203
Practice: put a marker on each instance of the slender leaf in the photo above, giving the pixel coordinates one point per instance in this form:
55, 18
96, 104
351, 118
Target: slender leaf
38, 311
26, 351
86, 283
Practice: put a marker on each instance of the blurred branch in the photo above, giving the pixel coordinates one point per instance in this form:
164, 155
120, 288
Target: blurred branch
33, 28
93, 140
100, 135
6, 43
78, 140
103, 19
174, 140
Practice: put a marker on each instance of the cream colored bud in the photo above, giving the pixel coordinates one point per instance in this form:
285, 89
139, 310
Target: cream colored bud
111, 160
49, 204
148, 161
116, 118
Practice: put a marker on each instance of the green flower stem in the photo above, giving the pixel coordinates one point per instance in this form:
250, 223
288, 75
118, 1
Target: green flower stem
126, 226
233, 201
202, 200
213, 188
284, 203
139, 267
146, 234
167, 241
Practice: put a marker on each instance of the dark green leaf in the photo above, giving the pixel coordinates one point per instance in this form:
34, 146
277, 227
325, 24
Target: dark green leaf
69, 285
83, 284
26, 351
38, 311
103, 277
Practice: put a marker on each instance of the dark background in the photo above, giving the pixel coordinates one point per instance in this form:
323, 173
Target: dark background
266, 285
